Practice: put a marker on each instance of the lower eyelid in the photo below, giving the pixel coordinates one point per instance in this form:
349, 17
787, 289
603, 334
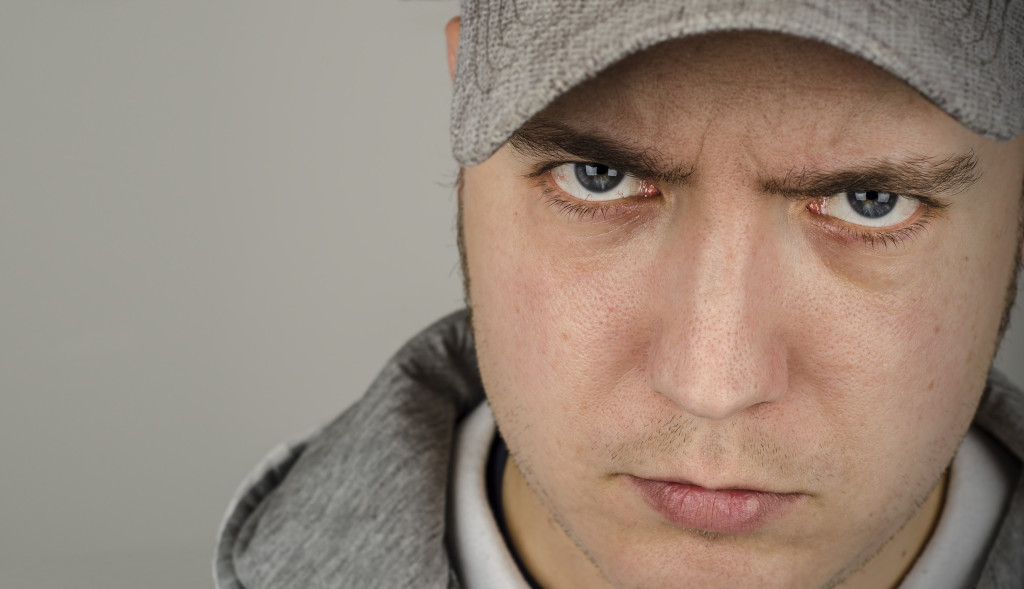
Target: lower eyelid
583, 211
575, 209
894, 236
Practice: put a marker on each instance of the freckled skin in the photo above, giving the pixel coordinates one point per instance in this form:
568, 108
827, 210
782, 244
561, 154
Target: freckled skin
719, 335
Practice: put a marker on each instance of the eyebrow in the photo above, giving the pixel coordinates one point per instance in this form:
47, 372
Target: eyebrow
917, 176
540, 138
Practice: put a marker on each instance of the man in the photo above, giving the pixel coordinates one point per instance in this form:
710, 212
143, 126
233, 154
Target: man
737, 273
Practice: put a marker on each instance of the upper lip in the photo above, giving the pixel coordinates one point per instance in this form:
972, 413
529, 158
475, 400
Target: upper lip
740, 486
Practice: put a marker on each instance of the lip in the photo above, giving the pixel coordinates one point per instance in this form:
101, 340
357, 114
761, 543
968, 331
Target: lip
720, 511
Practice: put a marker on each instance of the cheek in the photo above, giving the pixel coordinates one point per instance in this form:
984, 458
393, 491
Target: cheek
875, 374
558, 329
561, 337
952, 320
895, 352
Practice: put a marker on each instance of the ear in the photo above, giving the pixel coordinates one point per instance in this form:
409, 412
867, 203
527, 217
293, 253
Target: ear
451, 32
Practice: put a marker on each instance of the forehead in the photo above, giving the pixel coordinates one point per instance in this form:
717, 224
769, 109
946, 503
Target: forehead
762, 87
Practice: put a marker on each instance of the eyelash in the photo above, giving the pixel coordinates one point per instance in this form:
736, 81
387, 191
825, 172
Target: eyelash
891, 237
579, 211
571, 208
885, 238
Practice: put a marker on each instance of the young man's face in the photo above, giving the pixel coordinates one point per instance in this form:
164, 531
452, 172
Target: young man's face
760, 310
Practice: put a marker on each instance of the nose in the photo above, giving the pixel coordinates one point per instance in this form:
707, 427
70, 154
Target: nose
717, 348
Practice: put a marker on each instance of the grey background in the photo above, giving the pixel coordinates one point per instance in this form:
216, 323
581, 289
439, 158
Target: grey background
217, 220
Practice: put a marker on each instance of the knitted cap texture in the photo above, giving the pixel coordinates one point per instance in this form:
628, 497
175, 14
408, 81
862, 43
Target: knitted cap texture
517, 56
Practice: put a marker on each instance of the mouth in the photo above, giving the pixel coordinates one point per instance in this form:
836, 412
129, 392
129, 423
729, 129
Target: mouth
719, 511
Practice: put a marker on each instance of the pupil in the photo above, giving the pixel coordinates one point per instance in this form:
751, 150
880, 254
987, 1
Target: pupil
871, 203
597, 177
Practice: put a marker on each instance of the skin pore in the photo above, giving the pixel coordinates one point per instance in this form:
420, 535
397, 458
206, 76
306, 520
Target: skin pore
728, 322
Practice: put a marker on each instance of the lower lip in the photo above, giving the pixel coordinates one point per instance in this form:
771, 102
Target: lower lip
724, 511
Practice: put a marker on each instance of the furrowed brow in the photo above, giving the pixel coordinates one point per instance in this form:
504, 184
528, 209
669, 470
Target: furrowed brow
914, 177
558, 142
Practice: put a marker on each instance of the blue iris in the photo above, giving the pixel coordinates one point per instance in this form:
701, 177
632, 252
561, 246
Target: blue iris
597, 177
872, 204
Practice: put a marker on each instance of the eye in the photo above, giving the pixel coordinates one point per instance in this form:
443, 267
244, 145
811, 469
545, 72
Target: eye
870, 208
598, 182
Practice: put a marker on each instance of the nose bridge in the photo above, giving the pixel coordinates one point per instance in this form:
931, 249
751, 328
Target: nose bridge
716, 351
723, 260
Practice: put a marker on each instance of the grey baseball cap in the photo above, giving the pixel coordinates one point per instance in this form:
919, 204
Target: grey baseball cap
516, 56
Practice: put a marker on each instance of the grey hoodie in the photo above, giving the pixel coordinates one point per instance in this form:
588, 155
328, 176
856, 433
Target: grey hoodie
361, 502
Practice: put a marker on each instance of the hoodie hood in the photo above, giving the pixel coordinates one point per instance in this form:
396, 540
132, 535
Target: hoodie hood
362, 499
